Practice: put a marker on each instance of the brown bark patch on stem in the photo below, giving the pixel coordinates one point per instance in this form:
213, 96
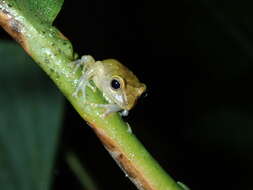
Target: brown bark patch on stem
124, 163
62, 36
13, 27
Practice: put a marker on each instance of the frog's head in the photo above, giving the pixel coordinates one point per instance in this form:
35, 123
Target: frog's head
124, 93
122, 86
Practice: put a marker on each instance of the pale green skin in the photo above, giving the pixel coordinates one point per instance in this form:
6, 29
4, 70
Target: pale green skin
102, 73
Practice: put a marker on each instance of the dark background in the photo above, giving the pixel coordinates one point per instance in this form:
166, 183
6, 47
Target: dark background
196, 60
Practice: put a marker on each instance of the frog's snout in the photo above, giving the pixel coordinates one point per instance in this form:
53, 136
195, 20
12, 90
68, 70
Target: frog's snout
142, 89
131, 100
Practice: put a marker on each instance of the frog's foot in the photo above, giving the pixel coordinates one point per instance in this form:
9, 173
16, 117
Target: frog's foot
93, 88
82, 62
109, 108
87, 59
76, 64
124, 113
82, 84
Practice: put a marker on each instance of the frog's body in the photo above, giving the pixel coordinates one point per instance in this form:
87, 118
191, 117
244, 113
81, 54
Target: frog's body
119, 85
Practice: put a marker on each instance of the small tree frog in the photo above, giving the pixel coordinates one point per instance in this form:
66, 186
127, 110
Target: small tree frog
119, 86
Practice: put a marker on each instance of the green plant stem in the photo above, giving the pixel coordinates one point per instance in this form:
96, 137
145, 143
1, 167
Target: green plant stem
53, 53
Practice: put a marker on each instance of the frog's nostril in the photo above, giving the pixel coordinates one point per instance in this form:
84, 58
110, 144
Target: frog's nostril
144, 95
141, 89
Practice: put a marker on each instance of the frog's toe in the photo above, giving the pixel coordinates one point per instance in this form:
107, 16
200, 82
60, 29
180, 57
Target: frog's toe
74, 94
83, 92
124, 113
82, 89
75, 65
80, 86
91, 86
87, 59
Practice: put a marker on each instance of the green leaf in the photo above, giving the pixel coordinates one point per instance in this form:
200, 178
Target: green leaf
30, 119
42, 10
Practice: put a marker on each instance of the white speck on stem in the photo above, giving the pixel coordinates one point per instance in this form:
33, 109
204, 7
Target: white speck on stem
115, 155
129, 129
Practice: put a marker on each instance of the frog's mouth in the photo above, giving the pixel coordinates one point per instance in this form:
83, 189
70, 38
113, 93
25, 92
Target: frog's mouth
124, 102
128, 102
120, 99
127, 98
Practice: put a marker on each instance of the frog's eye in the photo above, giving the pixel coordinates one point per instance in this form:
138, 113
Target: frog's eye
115, 84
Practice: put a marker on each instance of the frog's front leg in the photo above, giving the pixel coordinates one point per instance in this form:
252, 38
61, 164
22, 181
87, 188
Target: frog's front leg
87, 74
85, 61
109, 108
83, 82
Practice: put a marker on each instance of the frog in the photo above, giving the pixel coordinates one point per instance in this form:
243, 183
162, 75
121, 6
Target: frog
119, 86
